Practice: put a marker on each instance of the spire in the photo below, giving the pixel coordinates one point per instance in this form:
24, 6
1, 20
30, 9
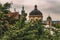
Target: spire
35, 7
23, 11
22, 7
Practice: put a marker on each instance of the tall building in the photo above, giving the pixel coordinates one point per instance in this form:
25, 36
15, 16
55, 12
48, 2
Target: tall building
49, 21
35, 14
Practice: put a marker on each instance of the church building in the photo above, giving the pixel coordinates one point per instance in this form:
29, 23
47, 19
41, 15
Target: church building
35, 14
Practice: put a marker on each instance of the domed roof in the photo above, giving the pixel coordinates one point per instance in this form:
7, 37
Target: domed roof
35, 11
48, 17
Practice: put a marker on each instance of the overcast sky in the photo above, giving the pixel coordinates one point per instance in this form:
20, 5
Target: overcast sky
47, 7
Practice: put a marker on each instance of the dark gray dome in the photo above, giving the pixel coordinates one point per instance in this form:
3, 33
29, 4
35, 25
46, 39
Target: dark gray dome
48, 17
35, 11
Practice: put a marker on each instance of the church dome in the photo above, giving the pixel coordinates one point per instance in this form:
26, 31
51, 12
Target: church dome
35, 11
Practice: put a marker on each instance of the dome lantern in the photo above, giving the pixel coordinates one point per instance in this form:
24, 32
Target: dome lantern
35, 7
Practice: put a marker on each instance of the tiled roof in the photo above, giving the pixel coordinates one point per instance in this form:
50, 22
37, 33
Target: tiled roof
13, 14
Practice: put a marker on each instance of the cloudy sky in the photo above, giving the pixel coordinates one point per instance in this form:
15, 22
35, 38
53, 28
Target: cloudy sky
47, 7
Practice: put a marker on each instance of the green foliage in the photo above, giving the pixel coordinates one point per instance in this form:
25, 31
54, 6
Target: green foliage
56, 26
21, 30
5, 7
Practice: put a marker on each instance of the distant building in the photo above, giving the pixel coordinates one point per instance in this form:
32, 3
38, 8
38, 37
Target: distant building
49, 21
14, 15
35, 14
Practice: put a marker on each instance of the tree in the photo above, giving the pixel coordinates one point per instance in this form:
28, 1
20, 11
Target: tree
3, 27
5, 7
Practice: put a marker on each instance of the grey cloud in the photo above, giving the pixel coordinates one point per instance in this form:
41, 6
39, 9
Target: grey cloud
55, 8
